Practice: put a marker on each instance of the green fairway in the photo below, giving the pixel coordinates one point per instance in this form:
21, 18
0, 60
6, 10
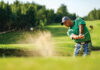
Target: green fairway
55, 63
63, 45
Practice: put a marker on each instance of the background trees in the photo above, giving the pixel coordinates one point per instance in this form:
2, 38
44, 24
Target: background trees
22, 16
93, 15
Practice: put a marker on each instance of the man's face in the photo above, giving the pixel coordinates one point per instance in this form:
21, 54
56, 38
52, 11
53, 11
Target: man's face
68, 23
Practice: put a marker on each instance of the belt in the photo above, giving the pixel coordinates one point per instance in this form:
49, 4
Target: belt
86, 42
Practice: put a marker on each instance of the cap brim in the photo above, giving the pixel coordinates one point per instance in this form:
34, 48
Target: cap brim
62, 23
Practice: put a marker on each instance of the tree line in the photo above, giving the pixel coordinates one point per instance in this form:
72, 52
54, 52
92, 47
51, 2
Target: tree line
93, 15
22, 16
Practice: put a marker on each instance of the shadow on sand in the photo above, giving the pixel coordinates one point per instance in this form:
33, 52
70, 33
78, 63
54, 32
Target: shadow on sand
96, 48
7, 52
10, 52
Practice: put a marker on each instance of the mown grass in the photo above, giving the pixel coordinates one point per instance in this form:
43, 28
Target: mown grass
51, 63
63, 44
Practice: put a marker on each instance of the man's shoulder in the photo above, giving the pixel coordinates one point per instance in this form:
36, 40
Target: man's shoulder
78, 19
70, 30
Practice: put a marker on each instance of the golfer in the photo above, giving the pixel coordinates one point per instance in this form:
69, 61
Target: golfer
78, 32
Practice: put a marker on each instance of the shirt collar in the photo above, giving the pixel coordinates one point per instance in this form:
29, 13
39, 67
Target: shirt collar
73, 24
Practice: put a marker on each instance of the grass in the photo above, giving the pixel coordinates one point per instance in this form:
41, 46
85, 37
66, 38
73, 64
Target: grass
63, 44
55, 63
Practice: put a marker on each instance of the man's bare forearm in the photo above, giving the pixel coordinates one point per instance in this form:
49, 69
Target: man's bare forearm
74, 36
81, 32
81, 29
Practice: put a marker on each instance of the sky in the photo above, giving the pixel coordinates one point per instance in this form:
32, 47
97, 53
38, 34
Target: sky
80, 7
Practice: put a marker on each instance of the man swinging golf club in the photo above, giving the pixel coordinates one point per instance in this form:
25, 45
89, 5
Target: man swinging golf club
78, 32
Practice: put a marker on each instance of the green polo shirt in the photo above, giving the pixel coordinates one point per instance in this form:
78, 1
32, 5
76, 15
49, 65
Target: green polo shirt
75, 30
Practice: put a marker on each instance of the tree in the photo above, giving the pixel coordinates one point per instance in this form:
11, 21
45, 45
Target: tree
31, 17
8, 16
5, 16
93, 15
62, 10
50, 16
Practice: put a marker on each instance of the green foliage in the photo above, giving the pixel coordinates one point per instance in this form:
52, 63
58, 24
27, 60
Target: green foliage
62, 11
50, 16
93, 15
5, 16
30, 14
22, 16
